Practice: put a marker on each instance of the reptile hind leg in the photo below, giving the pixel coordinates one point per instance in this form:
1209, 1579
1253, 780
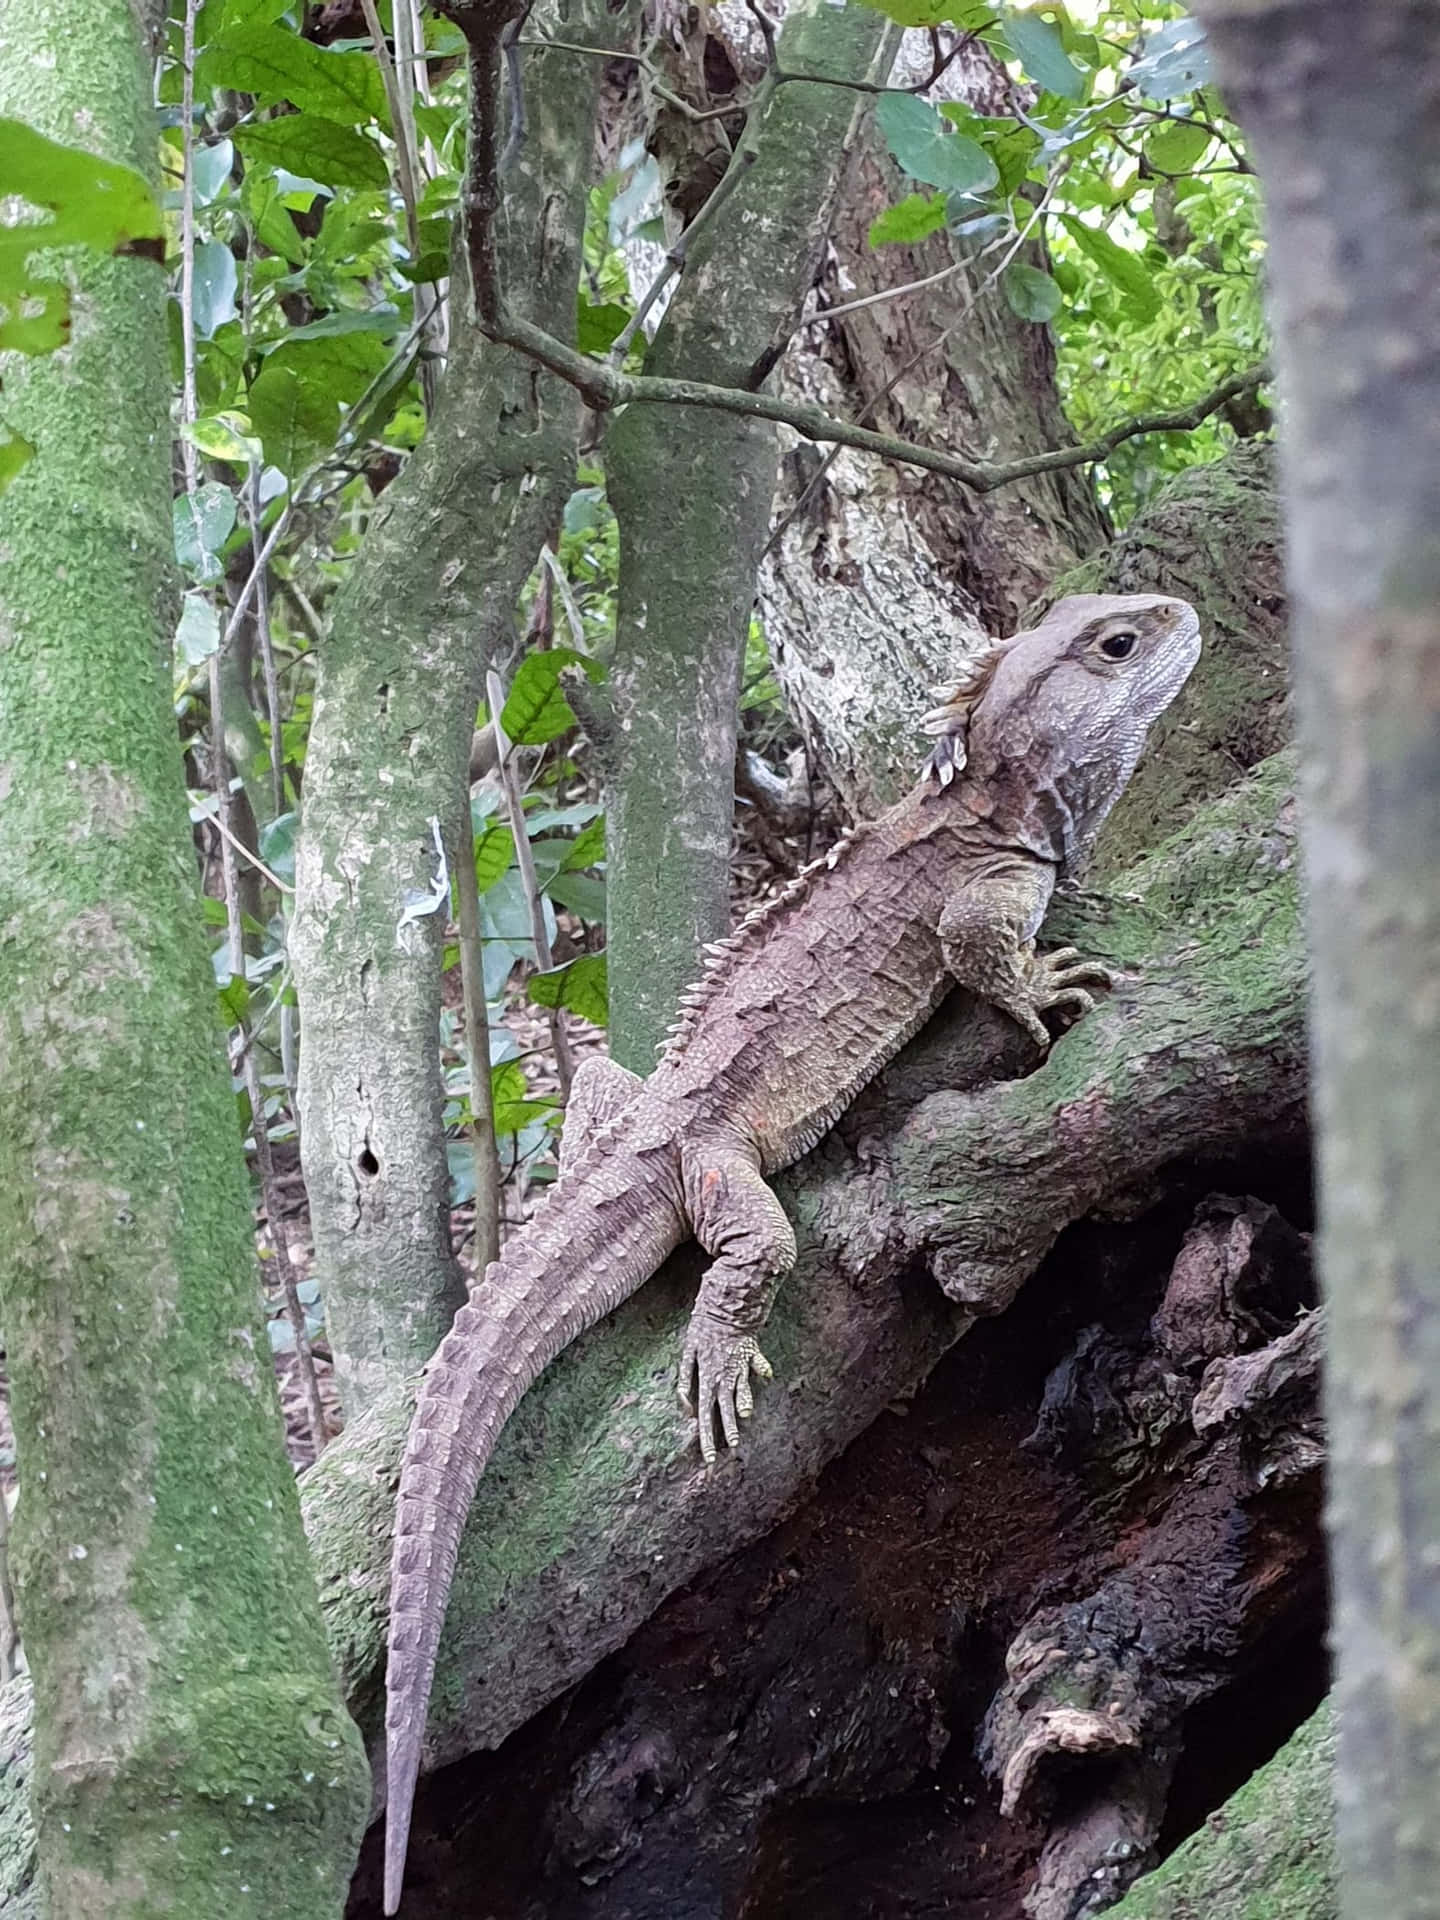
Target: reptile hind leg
599, 1093
740, 1223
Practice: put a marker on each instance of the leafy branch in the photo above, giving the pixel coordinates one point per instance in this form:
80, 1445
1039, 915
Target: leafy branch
605, 388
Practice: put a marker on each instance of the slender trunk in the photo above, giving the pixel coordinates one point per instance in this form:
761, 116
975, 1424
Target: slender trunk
429, 599
693, 495
1339, 103
192, 1753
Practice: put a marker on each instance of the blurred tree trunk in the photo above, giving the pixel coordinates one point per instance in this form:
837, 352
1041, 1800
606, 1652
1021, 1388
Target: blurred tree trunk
192, 1754
1340, 105
425, 605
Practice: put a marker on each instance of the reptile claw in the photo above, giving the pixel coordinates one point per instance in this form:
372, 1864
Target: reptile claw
720, 1362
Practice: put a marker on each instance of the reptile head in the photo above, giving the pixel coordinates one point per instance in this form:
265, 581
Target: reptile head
1082, 686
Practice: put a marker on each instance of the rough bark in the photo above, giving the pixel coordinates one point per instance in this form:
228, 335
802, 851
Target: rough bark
192, 1753
887, 573
429, 599
592, 1510
692, 494
1339, 105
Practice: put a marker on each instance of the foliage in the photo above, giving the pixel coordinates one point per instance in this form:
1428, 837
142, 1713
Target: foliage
1118, 153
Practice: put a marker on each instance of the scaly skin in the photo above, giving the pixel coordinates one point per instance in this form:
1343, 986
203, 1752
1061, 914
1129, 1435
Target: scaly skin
794, 1016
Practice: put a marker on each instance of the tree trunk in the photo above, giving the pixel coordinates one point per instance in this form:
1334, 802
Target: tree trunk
886, 573
428, 600
692, 493
1339, 103
192, 1753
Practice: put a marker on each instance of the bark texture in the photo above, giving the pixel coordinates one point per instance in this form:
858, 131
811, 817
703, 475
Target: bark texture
593, 1510
886, 573
692, 493
1339, 105
191, 1751
429, 600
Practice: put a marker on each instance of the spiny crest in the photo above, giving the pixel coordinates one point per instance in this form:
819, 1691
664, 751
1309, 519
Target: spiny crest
949, 723
721, 955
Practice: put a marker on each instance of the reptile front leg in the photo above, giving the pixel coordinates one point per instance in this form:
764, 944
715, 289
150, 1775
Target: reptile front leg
740, 1223
987, 934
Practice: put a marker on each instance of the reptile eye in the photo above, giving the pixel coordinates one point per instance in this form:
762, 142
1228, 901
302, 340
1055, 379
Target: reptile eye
1119, 646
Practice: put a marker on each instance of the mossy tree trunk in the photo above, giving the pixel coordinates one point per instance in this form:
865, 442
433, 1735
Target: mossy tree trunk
429, 600
192, 1753
1339, 103
693, 495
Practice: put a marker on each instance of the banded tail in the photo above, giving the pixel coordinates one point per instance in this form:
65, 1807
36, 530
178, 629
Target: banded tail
594, 1243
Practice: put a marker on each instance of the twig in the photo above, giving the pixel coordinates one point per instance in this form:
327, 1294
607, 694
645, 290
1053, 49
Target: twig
269, 1192
823, 315
245, 853
495, 695
477, 1046
267, 650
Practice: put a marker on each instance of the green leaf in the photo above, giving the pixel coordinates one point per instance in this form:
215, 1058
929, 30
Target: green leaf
597, 328
1176, 60
260, 197
1175, 146
588, 846
210, 170
917, 215
317, 149
1038, 46
16, 453
235, 1000
275, 64
215, 284
382, 320
1122, 268
494, 850
198, 633
222, 438
91, 202
582, 893
277, 844
36, 319
934, 13
295, 420
340, 366
536, 710
579, 988
203, 522
1030, 293
926, 148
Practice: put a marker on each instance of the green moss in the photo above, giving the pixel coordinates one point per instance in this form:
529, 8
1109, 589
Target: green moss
1268, 1854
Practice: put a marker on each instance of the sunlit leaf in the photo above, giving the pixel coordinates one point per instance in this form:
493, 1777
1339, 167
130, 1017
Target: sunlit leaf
536, 710
36, 319
16, 453
494, 851
917, 215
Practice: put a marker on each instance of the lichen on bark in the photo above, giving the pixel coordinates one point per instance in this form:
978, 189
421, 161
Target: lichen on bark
191, 1750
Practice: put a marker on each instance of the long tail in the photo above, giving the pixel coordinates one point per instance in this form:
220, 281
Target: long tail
591, 1246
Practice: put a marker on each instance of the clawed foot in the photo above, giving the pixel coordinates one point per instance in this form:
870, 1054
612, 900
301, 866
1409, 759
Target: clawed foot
1060, 980
715, 1370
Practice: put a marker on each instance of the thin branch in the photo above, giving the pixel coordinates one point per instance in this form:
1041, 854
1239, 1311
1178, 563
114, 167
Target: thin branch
254, 859
269, 1191
477, 1046
267, 650
495, 695
823, 315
